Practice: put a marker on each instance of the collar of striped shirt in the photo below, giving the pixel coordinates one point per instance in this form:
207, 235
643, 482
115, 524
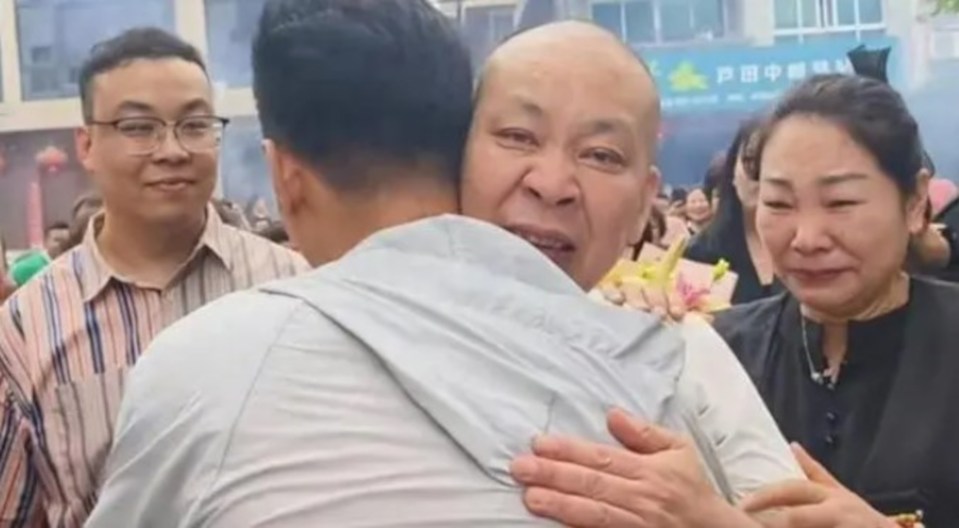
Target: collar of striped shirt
97, 273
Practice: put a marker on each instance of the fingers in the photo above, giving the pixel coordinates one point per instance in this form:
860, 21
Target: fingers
660, 303
571, 479
656, 302
578, 512
813, 469
652, 299
613, 295
784, 495
607, 459
634, 297
815, 516
640, 436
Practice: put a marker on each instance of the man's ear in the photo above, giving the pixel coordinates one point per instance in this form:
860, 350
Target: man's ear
650, 190
286, 176
918, 204
83, 143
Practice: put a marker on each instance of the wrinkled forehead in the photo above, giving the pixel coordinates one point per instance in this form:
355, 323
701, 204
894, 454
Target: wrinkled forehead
571, 90
620, 80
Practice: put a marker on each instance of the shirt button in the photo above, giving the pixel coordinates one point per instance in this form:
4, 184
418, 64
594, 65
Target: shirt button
832, 441
832, 417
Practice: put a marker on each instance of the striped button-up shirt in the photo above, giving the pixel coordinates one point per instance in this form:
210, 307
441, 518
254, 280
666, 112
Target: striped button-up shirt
67, 341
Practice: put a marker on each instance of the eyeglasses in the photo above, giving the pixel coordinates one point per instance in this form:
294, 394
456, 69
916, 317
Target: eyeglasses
145, 135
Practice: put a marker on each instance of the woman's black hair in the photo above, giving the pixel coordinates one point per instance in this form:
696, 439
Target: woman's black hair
657, 221
871, 112
727, 226
678, 195
714, 174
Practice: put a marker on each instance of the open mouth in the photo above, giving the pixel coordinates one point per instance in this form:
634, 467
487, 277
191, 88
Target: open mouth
556, 246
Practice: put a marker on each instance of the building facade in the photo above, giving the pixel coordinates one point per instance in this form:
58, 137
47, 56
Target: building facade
716, 62
42, 45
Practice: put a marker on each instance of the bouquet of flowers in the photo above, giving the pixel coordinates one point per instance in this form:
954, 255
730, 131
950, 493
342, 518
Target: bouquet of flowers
700, 288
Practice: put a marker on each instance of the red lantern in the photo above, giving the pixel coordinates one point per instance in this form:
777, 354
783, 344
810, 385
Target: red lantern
51, 160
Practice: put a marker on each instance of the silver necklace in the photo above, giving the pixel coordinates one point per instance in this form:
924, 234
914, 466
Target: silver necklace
818, 377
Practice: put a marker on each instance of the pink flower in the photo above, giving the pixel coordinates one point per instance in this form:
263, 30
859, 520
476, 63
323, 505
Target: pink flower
694, 297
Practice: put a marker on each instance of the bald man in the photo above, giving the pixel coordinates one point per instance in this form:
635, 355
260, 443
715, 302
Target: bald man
564, 135
394, 386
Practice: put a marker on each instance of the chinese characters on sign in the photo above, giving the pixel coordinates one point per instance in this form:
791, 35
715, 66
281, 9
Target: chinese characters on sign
743, 78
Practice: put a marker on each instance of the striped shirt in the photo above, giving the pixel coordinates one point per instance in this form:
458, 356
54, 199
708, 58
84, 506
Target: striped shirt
67, 341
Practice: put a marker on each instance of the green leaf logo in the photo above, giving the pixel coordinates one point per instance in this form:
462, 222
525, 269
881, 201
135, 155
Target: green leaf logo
685, 78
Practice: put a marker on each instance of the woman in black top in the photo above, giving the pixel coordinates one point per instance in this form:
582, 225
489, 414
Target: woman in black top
858, 361
732, 234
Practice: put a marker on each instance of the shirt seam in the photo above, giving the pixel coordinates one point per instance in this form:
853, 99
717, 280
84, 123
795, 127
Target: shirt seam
234, 423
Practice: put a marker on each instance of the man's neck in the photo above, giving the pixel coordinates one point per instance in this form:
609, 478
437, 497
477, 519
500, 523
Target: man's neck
148, 254
363, 216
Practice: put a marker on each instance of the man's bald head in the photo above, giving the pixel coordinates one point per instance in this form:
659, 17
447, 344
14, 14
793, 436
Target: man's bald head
577, 50
562, 146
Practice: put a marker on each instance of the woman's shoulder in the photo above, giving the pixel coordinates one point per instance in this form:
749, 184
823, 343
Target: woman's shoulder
750, 313
743, 325
938, 298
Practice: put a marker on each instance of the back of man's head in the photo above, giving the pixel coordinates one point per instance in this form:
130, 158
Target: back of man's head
350, 86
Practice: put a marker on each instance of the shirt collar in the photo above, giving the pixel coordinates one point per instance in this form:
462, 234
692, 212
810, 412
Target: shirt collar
473, 242
95, 273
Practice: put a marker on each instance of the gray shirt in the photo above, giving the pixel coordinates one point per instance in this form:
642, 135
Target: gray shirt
393, 387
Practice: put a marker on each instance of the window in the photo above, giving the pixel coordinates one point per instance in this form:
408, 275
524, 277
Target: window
639, 19
676, 22
846, 12
500, 25
230, 27
55, 37
810, 12
787, 14
870, 11
494, 23
815, 20
662, 21
484, 27
610, 16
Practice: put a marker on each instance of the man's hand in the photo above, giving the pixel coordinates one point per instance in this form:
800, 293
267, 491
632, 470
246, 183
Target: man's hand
655, 300
658, 483
821, 502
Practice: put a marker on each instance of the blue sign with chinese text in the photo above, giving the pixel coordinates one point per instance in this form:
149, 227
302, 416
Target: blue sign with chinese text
747, 78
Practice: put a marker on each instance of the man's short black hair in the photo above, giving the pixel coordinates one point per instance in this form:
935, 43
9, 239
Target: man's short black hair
137, 43
353, 85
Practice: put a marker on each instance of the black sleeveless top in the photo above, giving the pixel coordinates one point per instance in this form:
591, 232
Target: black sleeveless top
889, 428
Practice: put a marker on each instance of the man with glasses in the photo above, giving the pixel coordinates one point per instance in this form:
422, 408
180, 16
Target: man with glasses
155, 253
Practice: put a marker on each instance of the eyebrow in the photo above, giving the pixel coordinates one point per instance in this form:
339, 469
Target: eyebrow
139, 106
836, 179
602, 126
827, 181
134, 106
528, 106
196, 104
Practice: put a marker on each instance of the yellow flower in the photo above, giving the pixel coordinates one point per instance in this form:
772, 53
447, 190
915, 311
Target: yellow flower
720, 270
